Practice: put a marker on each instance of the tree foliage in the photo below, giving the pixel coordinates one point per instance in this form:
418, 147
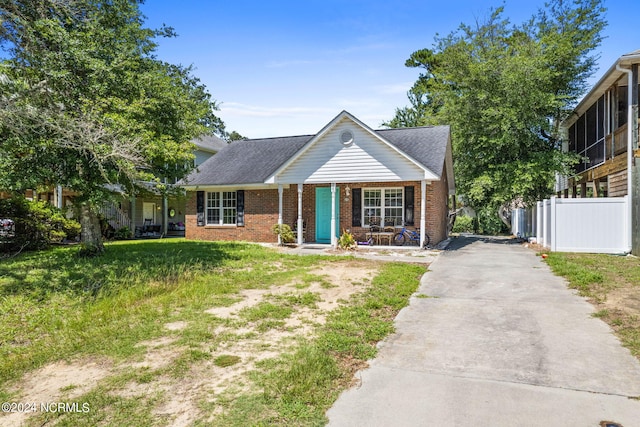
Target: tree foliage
234, 136
84, 101
37, 225
504, 89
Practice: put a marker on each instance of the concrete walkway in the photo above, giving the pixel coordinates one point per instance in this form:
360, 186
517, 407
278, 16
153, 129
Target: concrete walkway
411, 254
502, 343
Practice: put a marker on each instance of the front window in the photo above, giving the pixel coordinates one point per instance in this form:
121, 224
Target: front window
221, 207
372, 206
392, 206
382, 206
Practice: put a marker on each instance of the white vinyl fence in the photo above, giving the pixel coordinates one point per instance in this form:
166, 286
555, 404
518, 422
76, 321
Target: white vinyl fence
596, 225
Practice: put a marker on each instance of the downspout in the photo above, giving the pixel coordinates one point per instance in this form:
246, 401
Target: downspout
629, 153
280, 190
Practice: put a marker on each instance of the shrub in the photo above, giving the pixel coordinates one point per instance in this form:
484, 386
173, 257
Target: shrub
37, 224
123, 233
346, 241
489, 223
463, 224
285, 233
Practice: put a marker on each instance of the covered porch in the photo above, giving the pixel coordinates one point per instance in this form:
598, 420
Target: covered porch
324, 211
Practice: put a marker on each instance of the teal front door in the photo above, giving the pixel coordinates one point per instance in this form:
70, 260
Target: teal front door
323, 214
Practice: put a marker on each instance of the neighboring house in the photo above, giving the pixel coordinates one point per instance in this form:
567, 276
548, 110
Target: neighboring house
56, 196
153, 215
343, 178
599, 131
162, 216
603, 131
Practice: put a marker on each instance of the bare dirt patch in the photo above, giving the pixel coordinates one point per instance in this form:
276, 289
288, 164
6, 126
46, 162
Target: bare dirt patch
208, 382
56, 382
204, 382
160, 353
346, 278
626, 299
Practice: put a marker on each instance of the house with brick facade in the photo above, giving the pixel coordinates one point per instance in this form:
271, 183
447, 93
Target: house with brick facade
346, 177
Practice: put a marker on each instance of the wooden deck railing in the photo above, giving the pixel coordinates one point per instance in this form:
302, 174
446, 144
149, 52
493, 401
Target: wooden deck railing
619, 139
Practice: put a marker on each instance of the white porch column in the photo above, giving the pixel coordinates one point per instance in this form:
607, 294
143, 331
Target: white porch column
333, 215
58, 197
165, 215
300, 220
423, 210
279, 210
132, 213
165, 211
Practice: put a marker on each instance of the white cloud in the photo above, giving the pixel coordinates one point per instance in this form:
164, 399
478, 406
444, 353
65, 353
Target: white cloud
245, 110
394, 88
257, 121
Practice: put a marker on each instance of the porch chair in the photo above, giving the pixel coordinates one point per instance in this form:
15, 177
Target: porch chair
389, 225
374, 229
388, 230
146, 225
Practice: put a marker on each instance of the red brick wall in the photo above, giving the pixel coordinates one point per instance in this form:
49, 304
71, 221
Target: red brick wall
261, 212
438, 209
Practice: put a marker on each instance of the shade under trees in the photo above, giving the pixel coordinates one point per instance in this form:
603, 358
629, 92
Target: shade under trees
504, 89
84, 102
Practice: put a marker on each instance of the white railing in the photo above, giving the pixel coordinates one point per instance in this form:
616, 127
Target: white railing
595, 225
115, 216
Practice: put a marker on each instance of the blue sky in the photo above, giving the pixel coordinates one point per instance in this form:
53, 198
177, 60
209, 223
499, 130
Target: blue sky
288, 67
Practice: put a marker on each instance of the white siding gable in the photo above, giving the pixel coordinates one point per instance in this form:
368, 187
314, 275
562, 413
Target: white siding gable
367, 159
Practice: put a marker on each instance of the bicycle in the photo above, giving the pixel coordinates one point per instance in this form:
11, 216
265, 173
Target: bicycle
400, 238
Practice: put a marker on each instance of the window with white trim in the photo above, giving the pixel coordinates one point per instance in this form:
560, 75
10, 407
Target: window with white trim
221, 208
393, 206
385, 204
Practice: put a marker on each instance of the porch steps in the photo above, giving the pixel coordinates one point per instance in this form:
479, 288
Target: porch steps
115, 216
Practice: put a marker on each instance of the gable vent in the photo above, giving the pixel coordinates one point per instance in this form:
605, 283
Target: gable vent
346, 137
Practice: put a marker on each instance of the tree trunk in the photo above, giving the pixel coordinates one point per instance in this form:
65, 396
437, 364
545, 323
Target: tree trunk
91, 231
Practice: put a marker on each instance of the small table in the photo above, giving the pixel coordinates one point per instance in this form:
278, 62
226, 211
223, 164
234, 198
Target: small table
379, 235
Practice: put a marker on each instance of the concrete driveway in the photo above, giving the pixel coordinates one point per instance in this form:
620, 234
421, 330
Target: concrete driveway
501, 342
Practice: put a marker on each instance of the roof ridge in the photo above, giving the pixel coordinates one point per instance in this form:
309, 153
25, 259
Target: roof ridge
275, 137
413, 127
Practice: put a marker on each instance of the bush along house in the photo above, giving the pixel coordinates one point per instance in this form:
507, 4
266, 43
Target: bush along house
346, 177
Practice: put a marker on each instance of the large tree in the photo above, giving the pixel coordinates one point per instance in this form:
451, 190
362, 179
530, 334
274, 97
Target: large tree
84, 102
504, 89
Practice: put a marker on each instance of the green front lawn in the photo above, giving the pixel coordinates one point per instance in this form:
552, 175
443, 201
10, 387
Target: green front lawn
55, 306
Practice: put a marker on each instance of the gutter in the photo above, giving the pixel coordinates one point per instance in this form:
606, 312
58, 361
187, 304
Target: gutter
629, 154
626, 59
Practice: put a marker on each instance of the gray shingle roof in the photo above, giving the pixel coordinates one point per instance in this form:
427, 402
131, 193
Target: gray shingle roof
210, 143
252, 161
248, 161
426, 145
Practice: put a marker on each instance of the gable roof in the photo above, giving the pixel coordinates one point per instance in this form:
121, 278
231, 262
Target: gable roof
255, 161
345, 116
209, 143
250, 161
